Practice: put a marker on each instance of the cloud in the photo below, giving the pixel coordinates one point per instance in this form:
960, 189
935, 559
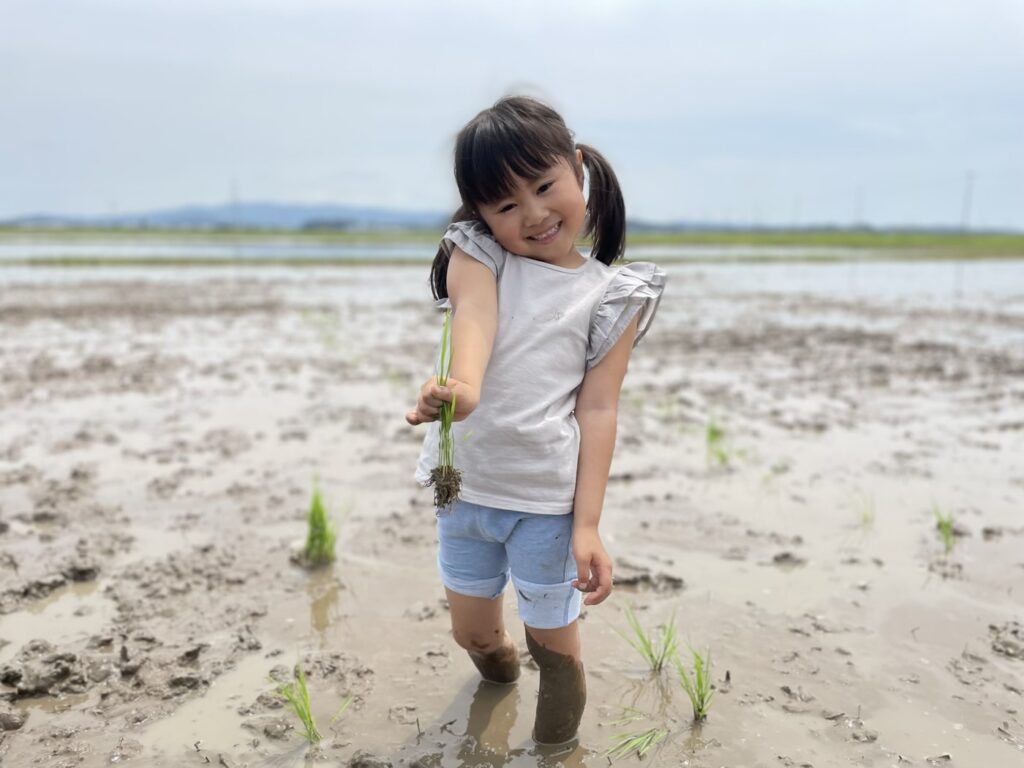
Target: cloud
702, 105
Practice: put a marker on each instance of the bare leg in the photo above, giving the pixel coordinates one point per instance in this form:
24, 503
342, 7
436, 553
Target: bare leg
478, 626
563, 687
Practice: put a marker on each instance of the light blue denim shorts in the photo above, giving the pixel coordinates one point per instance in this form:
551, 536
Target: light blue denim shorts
480, 547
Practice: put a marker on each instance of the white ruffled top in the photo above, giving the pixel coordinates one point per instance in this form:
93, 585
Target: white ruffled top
518, 449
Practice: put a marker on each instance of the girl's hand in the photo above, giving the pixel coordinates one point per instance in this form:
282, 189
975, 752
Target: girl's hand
593, 565
432, 395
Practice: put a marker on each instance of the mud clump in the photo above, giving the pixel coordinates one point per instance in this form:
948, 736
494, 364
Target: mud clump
788, 560
1008, 640
41, 670
367, 760
10, 718
640, 576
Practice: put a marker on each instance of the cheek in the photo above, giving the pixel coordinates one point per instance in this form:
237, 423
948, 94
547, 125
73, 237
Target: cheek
578, 205
506, 234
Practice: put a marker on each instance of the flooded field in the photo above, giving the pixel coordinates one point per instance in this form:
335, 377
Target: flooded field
164, 427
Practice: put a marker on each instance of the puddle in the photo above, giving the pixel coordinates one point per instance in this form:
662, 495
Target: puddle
212, 720
67, 615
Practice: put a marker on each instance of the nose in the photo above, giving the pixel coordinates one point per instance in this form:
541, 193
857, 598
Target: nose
535, 212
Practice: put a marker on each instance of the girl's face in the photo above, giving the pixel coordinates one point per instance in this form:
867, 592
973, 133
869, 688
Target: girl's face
541, 218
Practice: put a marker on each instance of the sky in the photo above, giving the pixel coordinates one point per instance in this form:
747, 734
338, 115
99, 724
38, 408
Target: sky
771, 112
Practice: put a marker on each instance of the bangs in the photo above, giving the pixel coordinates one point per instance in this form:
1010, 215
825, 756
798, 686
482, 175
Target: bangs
501, 145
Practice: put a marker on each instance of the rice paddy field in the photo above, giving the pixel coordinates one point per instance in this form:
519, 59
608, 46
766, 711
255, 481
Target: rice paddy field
816, 511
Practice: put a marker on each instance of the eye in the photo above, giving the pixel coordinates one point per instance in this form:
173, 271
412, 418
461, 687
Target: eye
506, 208
545, 187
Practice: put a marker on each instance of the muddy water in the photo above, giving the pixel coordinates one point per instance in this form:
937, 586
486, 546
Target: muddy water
161, 440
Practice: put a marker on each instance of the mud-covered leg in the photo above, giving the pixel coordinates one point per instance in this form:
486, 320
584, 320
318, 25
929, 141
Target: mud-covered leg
563, 689
478, 627
498, 666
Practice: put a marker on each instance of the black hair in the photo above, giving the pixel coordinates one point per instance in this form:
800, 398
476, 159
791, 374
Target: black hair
522, 137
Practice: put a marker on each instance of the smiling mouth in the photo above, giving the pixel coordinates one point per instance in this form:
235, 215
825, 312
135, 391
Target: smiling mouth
548, 235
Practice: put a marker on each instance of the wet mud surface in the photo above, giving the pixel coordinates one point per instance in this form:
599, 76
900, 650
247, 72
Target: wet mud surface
161, 439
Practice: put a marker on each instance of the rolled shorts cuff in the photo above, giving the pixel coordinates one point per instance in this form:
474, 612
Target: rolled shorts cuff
488, 588
547, 606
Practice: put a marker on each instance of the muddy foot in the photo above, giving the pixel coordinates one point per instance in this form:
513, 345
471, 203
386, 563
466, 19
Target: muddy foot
500, 666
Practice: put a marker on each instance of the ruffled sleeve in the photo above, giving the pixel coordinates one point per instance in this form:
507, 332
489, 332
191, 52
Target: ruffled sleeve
636, 288
476, 240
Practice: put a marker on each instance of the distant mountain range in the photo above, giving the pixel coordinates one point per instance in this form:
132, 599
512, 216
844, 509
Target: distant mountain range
247, 216
290, 216
268, 216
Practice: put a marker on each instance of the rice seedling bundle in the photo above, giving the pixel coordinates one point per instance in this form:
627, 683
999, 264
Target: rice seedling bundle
944, 522
296, 693
320, 533
698, 688
655, 650
445, 477
715, 446
640, 742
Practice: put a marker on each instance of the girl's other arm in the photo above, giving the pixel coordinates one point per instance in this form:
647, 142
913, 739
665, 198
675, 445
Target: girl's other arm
597, 409
473, 292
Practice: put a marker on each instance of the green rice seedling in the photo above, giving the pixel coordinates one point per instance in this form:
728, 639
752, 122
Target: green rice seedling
716, 450
325, 323
634, 398
654, 650
640, 742
342, 709
320, 533
865, 506
445, 477
944, 522
699, 688
297, 695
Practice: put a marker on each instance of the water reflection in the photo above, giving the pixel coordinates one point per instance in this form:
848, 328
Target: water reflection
492, 714
322, 588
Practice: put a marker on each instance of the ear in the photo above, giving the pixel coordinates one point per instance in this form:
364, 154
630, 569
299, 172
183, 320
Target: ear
579, 167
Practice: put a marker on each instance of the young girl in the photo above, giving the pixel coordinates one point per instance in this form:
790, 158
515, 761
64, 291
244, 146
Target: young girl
541, 337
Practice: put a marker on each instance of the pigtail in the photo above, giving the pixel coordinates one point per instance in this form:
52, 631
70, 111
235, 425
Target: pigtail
439, 269
606, 209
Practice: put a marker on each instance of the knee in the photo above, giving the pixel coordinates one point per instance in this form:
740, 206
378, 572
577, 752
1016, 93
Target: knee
479, 640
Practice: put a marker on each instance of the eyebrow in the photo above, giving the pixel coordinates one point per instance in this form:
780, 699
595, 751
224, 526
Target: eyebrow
529, 182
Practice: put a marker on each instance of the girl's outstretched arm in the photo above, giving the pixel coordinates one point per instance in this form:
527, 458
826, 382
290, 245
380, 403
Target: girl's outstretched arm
473, 292
597, 410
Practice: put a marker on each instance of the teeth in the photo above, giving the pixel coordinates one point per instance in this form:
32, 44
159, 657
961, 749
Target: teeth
545, 235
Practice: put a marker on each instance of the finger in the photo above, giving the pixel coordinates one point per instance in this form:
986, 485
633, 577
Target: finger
582, 581
423, 414
413, 418
598, 594
440, 394
602, 583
